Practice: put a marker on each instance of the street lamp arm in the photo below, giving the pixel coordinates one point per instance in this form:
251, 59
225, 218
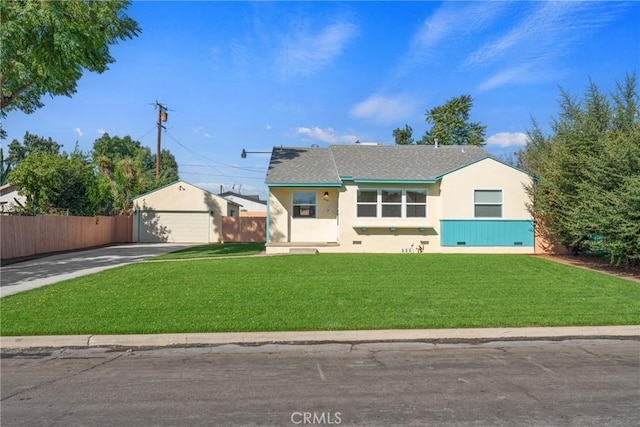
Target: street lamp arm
245, 152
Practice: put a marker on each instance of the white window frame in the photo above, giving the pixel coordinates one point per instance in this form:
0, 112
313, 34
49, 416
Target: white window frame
476, 203
406, 203
309, 205
375, 204
403, 203
400, 204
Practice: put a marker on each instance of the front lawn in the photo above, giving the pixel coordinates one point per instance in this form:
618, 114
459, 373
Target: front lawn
324, 292
215, 250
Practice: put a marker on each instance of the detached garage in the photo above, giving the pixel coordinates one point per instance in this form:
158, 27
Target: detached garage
180, 213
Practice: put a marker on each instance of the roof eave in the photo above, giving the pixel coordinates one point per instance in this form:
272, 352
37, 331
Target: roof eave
393, 181
304, 184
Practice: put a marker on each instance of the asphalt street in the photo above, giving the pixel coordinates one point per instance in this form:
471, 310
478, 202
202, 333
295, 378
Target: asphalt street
530, 383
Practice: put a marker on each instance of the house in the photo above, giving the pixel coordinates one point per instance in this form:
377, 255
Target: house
180, 213
414, 198
249, 205
10, 199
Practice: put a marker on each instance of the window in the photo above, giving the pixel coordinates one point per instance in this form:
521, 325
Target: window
487, 203
304, 204
392, 203
367, 203
416, 203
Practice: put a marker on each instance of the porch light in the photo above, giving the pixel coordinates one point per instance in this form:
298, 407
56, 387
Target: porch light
363, 229
392, 229
421, 229
326, 196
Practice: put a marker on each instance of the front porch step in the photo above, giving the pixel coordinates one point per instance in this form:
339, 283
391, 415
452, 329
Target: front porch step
303, 251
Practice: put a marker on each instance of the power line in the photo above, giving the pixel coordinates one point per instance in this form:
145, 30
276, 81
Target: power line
226, 176
249, 169
208, 159
147, 133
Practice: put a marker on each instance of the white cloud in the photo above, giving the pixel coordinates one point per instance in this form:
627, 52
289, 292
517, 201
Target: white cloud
201, 131
268, 127
101, 131
385, 109
328, 135
78, 131
302, 53
507, 139
547, 31
515, 74
454, 20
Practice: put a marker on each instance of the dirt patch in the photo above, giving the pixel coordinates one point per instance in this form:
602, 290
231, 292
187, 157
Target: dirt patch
597, 264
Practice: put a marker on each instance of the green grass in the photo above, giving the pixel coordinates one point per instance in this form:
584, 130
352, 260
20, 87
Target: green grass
216, 250
324, 292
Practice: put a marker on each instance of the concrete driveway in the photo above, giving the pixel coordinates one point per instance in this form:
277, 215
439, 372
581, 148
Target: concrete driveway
43, 271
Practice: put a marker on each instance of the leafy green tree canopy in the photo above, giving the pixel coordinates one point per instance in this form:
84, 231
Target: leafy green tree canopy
31, 144
56, 183
403, 136
115, 148
588, 192
129, 169
451, 126
47, 45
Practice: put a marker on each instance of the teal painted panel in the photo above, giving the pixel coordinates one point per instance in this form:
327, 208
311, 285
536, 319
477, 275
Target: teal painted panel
499, 232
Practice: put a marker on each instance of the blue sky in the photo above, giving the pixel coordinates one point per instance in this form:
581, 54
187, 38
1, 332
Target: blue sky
256, 75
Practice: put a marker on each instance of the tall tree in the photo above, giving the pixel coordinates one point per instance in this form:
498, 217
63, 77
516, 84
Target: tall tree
115, 148
128, 169
47, 45
587, 195
403, 136
451, 125
168, 168
56, 183
31, 144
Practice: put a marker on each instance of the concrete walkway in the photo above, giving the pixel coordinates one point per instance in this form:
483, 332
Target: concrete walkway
322, 337
34, 273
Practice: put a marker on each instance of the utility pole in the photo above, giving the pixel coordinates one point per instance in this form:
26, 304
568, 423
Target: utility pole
162, 117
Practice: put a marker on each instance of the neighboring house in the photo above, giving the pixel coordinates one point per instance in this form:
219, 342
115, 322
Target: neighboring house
377, 198
180, 212
10, 199
249, 205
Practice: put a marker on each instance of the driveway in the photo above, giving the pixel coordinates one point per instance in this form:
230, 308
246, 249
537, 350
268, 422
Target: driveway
43, 271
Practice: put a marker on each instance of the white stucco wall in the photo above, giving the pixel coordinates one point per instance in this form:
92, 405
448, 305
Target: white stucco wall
378, 237
458, 187
284, 228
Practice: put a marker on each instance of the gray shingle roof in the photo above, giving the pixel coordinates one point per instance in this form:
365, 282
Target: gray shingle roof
297, 165
368, 162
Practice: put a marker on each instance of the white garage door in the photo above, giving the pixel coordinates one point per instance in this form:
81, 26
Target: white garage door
174, 227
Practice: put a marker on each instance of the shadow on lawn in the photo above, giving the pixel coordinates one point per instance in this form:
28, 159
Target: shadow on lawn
215, 250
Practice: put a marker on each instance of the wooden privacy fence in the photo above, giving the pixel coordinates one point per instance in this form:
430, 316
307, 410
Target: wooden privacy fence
244, 229
23, 236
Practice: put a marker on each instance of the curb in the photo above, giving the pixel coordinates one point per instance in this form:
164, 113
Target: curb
323, 337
